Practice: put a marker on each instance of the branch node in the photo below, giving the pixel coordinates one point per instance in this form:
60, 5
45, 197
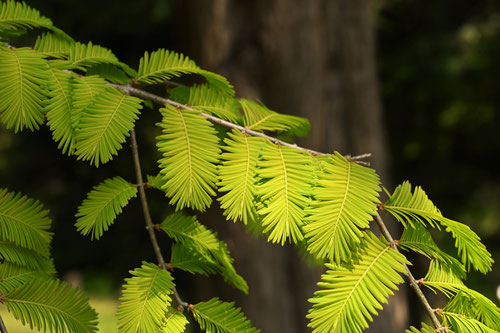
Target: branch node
381, 206
169, 266
420, 282
190, 307
438, 311
157, 227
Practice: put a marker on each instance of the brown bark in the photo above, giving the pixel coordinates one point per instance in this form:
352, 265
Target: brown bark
310, 58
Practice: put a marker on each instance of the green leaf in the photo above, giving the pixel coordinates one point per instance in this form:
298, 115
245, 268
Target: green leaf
183, 257
425, 329
59, 110
13, 276
162, 65
409, 208
111, 73
145, 300
238, 177
283, 191
418, 239
51, 305
463, 324
16, 17
210, 100
345, 200
258, 117
442, 278
215, 316
477, 308
10, 252
23, 73
53, 45
189, 146
24, 222
203, 243
173, 322
102, 205
105, 124
350, 296
82, 56
85, 91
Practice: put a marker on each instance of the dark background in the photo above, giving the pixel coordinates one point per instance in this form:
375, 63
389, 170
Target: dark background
414, 82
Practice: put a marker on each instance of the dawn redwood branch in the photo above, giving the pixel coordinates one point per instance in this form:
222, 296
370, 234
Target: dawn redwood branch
413, 282
147, 215
3, 329
128, 89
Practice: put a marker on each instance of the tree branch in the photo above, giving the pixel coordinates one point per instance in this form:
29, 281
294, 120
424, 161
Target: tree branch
147, 215
3, 329
128, 89
413, 282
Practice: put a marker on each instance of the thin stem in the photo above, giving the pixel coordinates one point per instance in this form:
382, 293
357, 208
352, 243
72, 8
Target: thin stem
413, 282
147, 215
3, 329
163, 101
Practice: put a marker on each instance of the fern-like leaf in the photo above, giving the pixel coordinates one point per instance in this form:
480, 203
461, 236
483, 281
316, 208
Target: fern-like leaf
425, 329
461, 323
85, 91
418, 239
51, 305
23, 73
102, 205
216, 316
259, 118
238, 177
189, 146
345, 199
59, 110
203, 243
409, 208
208, 99
13, 276
24, 222
145, 300
10, 252
111, 73
105, 124
185, 258
479, 307
283, 191
173, 322
53, 45
162, 65
350, 296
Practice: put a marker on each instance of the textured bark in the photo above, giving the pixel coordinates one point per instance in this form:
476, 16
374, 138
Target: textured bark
310, 58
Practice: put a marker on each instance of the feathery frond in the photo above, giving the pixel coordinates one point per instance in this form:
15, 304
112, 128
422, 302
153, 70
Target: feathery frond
156, 182
209, 99
105, 124
409, 208
173, 322
24, 222
461, 323
183, 257
103, 204
345, 199
203, 243
258, 117
12, 276
163, 65
350, 296
24, 257
85, 91
53, 45
418, 239
59, 110
238, 177
23, 73
283, 191
425, 329
189, 146
51, 305
478, 306
111, 73
145, 299
216, 316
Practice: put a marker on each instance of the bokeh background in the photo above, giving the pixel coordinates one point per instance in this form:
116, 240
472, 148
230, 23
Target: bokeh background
416, 83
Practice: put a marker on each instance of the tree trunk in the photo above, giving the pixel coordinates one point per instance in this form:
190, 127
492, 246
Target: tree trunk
315, 59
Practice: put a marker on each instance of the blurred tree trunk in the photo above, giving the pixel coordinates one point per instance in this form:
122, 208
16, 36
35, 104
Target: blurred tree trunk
310, 58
